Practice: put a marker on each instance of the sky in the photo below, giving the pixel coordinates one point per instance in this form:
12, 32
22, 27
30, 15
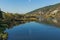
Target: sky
24, 6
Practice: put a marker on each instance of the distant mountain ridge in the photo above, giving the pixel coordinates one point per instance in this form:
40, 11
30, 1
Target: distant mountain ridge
47, 8
48, 14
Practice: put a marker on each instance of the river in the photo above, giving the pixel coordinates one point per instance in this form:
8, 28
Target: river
33, 31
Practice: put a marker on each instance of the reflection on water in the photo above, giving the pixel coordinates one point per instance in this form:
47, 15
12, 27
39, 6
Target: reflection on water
4, 26
33, 31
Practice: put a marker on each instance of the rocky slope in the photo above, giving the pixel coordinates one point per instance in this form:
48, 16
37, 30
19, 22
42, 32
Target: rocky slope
48, 14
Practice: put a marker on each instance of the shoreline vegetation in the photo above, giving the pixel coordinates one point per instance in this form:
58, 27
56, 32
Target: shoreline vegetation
8, 20
47, 15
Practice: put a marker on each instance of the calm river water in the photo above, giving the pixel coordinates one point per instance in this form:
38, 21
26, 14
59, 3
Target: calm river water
33, 31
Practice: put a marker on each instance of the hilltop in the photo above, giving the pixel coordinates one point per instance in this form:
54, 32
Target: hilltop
46, 8
49, 14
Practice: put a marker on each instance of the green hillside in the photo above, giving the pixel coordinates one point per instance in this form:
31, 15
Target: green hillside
46, 8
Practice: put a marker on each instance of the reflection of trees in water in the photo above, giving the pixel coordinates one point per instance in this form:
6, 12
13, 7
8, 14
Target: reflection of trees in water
11, 23
8, 24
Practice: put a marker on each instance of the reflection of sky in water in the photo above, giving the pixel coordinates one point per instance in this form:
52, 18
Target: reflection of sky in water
34, 31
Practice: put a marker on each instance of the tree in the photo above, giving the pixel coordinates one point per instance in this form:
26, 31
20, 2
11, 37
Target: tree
1, 15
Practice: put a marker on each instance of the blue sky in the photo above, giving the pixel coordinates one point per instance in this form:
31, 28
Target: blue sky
24, 6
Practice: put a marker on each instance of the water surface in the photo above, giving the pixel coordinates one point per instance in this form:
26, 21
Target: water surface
34, 31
